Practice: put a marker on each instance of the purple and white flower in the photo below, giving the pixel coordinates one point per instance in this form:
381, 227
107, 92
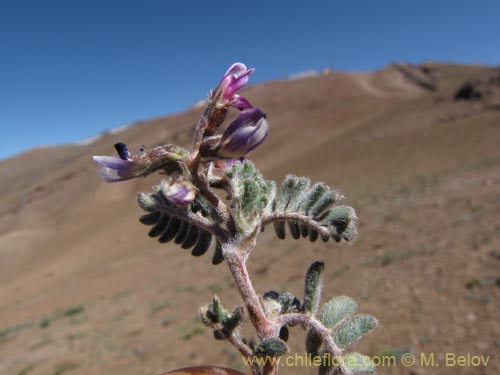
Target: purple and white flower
128, 166
179, 191
235, 78
117, 169
244, 134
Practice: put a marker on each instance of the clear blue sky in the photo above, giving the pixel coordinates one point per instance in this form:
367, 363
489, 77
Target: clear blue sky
71, 69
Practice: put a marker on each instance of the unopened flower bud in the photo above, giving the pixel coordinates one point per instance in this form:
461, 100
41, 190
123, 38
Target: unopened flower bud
179, 191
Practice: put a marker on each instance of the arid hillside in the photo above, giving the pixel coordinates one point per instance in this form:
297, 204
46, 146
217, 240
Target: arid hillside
415, 149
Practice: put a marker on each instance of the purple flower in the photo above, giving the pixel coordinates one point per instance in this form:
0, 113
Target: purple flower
115, 169
129, 166
178, 191
244, 134
241, 103
235, 78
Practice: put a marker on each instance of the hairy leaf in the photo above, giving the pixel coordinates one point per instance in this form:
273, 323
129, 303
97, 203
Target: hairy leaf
289, 303
279, 227
159, 226
336, 310
359, 363
203, 244
294, 229
271, 347
182, 233
298, 194
251, 196
191, 237
171, 230
218, 254
308, 212
341, 221
147, 202
219, 334
171, 223
206, 316
326, 200
151, 218
232, 322
313, 343
284, 333
287, 191
353, 329
313, 285
218, 309
313, 235
313, 195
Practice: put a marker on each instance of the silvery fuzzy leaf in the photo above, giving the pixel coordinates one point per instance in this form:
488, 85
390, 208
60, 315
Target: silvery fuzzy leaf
359, 363
336, 310
353, 329
308, 212
313, 286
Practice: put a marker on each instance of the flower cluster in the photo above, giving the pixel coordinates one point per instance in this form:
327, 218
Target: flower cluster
241, 137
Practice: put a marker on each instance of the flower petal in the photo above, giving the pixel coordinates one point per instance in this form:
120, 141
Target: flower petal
246, 117
239, 139
238, 83
241, 103
111, 175
236, 69
244, 134
259, 136
111, 162
233, 80
246, 143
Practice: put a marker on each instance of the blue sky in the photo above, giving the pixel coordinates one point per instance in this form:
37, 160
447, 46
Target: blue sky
71, 69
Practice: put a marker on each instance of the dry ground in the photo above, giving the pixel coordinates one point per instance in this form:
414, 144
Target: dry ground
85, 291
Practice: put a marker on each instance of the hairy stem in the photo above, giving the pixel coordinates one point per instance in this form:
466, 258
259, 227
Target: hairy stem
300, 218
200, 126
237, 265
202, 184
244, 350
319, 329
271, 368
201, 222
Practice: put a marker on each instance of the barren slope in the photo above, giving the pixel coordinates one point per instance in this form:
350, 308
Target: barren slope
85, 291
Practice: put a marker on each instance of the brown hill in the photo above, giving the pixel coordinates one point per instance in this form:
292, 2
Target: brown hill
415, 150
